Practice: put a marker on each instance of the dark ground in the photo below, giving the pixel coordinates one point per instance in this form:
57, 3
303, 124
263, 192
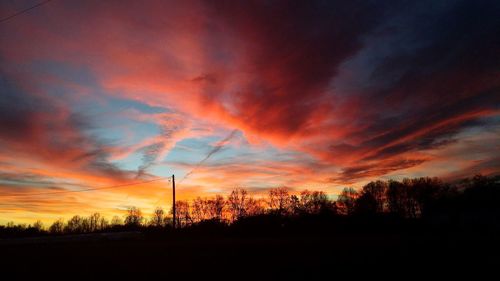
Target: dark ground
301, 255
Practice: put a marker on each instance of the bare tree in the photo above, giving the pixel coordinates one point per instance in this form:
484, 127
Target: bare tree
411, 204
279, 200
94, 221
103, 223
116, 221
314, 202
412, 197
158, 217
74, 225
396, 198
237, 203
38, 226
200, 209
347, 200
134, 217
183, 214
425, 191
376, 190
295, 206
57, 227
86, 224
216, 207
255, 207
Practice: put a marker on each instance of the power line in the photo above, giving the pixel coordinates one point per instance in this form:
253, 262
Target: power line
24, 11
82, 190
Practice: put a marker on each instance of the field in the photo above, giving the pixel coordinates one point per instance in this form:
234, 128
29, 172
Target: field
277, 256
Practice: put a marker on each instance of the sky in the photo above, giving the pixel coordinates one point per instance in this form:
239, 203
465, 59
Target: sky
315, 95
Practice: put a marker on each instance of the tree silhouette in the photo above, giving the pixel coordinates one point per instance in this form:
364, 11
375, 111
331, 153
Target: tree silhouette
376, 191
74, 225
397, 198
38, 226
216, 207
94, 220
158, 217
57, 227
134, 217
183, 213
346, 201
366, 204
314, 202
116, 221
237, 203
472, 201
280, 201
255, 207
103, 223
200, 209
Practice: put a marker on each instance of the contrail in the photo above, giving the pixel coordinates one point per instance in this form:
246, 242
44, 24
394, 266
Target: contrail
216, 149
150, 154
153, 151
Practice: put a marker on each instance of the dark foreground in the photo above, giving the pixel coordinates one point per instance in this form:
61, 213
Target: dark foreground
318, 254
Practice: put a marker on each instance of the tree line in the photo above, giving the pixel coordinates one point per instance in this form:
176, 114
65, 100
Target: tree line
409, 199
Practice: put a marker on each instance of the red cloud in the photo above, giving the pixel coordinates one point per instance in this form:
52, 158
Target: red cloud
276, 71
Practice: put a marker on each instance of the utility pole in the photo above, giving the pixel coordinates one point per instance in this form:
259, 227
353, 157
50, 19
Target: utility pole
173, 199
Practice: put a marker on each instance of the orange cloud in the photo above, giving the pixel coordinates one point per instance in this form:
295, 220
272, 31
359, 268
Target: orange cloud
357, 97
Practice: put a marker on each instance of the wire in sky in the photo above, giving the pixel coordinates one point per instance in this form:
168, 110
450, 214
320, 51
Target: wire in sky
24, 11
216, 149
81, 190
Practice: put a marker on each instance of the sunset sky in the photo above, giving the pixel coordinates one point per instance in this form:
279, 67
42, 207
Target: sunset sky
304, 94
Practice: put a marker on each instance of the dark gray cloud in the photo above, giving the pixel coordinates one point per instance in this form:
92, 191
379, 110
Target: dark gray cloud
440, 78
359, 84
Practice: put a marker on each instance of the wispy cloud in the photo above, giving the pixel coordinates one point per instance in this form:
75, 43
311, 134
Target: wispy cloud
358, 89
